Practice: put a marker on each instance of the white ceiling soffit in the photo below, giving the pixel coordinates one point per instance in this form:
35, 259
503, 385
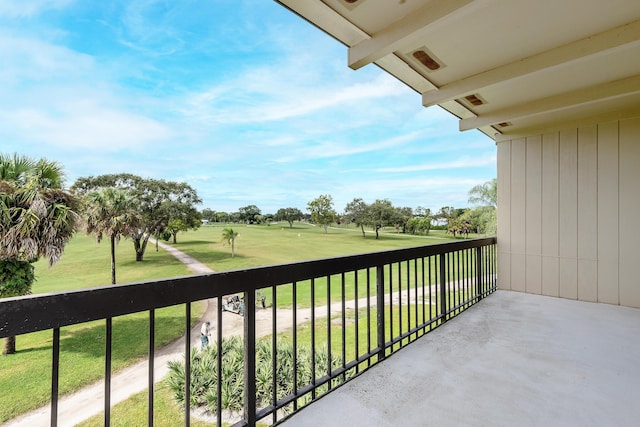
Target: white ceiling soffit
505, 67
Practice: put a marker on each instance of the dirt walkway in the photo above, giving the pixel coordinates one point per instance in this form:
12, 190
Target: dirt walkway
89, 401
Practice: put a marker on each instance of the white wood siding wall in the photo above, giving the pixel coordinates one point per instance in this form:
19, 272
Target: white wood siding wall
569, 213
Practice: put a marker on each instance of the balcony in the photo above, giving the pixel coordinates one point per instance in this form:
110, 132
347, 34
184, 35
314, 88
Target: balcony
390, 298
516, 359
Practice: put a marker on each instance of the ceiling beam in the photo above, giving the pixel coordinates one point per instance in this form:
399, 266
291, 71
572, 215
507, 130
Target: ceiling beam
587, 47
402, 32
398, 68
580, 97
328, 20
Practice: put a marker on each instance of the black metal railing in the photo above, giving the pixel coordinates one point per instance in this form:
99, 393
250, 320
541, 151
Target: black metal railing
356, 309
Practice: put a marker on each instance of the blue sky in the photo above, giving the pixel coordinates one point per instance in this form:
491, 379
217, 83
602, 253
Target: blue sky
241, 99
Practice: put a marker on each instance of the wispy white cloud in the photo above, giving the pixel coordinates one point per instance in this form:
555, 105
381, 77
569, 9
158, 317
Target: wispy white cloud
268, 95
461, 163
27, 8
89, 127
36, 61
332, 149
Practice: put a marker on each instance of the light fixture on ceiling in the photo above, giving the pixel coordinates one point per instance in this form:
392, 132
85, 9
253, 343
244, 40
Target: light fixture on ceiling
426, 59
351, 4
474, 99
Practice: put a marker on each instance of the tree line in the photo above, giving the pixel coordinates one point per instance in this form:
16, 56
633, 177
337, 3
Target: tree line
380, 214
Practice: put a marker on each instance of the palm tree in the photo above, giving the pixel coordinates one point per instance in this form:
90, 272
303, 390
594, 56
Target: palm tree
37, 219
229, 236
485, 194
112, 212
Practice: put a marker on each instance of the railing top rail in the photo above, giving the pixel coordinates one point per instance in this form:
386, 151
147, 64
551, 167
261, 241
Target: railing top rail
33, 313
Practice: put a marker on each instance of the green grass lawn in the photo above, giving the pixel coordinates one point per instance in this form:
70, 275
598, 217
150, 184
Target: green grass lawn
26, 376
86, 264
258, 245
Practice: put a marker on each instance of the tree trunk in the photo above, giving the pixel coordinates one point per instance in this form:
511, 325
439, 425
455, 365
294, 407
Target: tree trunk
362, 228
174, 238
137, 247
233, 244
17, 278
113, 258
9, 346
140, 244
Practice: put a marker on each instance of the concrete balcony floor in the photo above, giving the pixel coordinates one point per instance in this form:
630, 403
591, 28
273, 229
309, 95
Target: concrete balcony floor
514, 359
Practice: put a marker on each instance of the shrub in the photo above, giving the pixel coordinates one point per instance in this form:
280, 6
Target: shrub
204, 373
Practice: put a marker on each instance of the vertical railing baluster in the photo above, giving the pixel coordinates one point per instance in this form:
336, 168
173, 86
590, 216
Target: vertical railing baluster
380, 311
152, 329
399, 302
187, 365
451, 283
494, 258
479, 272
468, 274
250, 357
462, 278
219, 360
329, 330
422, 275
443, 287
294, 305
368, 316
485, 267
107, 372
456, 271
344, 328
474, 275
489, 277
407, 276
408, 295
431, 294
390, 321
451, 289
55, 376
274, 353
465, 278
357, 314
415, 305
473, 289
313, 337
455, 268
494, 268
